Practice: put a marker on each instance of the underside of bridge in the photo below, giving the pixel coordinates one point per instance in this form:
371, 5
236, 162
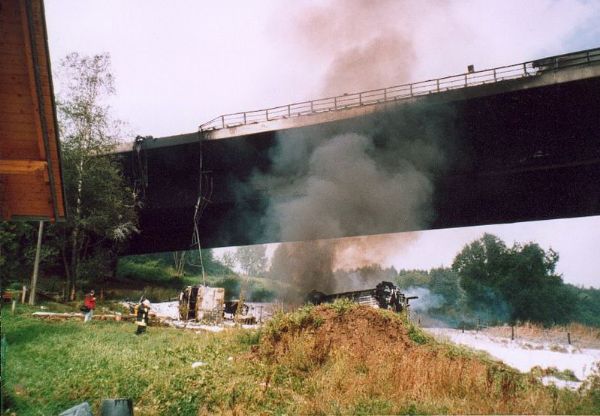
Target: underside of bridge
522, 155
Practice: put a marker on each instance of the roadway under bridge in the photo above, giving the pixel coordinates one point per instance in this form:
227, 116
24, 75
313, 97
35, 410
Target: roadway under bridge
517, 143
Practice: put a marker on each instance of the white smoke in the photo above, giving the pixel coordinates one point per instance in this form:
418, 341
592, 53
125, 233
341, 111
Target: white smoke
426, 301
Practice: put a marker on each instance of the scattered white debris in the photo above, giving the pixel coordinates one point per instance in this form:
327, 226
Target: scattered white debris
166, 309
63, 314
525, 354
561, 384
230, 359
198, 364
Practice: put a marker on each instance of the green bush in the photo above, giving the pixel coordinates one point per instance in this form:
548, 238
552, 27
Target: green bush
262, 294
417, 335
149, 271
343, 305
231, 284
249, 337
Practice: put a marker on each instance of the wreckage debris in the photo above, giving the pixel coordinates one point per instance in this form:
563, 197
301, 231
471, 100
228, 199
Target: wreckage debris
202, 303
207, 304
79, 316
385, 295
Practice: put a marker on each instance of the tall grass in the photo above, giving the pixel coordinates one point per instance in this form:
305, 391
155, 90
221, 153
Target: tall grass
52, 366
580, 335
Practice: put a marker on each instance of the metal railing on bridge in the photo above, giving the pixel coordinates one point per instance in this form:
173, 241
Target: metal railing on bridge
405, 91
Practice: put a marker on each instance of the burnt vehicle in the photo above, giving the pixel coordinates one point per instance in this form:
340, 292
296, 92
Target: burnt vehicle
385, 295
202, 303
239, 311
232, 306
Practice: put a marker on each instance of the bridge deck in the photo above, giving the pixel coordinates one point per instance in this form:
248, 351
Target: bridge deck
531, 74
520, 149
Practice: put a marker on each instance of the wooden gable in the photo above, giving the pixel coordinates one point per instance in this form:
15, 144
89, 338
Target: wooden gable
30, 167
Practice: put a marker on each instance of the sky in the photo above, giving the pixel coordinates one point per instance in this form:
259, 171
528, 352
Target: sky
178, 64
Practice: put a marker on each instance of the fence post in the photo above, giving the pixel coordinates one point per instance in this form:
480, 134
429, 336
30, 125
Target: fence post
245, 120
289, 111
335, 103
495, 80
36, 264
569, 338
512, 333
267, 114
14, 305
437, 82
223, 121
24, 294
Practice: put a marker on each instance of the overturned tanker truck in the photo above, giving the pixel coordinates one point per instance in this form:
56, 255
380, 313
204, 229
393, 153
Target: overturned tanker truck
385, 295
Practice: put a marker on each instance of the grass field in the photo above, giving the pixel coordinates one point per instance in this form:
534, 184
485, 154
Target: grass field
327, 360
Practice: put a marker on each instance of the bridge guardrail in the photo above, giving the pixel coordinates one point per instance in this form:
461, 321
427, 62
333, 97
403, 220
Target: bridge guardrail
405, 91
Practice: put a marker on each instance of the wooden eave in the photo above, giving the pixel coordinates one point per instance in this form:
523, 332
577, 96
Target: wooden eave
31, 185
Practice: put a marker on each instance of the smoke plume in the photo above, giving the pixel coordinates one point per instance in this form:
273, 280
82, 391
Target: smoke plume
359, 252
358, 179
367, 44
336, 265
365, 177
345, 191
305, 266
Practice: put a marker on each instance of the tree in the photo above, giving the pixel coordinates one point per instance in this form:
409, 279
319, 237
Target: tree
15, 241
101, 208
517, 283
536, 293
212, 265
179, 262
412, 278
445, 282
228, 260
587, 304
252, 259
481, 266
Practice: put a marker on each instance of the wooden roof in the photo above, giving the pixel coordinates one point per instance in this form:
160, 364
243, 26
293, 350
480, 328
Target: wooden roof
30, 167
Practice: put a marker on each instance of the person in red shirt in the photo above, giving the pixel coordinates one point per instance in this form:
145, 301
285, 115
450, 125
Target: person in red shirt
90, 304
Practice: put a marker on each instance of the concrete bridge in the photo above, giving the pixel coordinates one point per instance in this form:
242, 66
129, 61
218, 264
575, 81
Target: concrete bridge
515, 143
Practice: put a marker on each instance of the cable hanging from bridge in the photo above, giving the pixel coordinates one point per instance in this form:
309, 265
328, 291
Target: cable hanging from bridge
139, 168
201, 204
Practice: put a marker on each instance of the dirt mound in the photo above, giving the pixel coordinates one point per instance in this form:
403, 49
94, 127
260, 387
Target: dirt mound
357, 330
342, 358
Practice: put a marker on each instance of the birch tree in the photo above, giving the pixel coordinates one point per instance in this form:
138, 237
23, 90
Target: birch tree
101, 211
252, 259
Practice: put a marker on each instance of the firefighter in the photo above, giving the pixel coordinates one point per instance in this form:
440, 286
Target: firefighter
141, 316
